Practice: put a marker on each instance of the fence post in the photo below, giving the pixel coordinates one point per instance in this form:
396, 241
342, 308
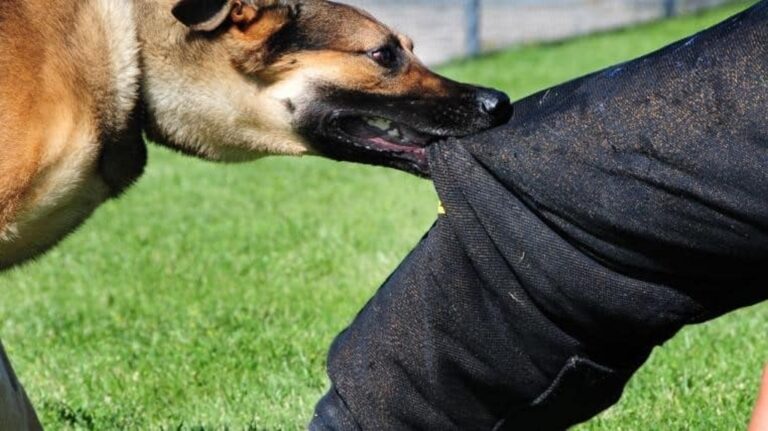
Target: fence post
670, 8
472, 26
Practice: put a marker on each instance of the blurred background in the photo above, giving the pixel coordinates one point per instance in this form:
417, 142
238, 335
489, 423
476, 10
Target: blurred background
451, 29
206, 297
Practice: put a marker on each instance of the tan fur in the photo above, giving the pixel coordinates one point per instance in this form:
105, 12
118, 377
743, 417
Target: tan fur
61, 94
187, 102
253, 28
328, 65
355, 72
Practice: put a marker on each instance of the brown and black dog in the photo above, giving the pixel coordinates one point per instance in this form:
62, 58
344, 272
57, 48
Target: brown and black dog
227, 80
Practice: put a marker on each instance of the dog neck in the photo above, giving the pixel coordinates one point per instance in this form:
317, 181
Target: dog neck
123, 152
122, 43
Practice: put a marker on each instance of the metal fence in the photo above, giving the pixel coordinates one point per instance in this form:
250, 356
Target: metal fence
448, 29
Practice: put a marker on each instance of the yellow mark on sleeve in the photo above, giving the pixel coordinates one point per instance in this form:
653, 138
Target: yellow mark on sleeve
440, 209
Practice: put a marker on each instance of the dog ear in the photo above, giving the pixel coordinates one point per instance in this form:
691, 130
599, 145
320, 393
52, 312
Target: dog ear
202, 15
253, 25
265, 12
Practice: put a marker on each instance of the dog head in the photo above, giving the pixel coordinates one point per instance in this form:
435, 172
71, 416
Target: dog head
256, 77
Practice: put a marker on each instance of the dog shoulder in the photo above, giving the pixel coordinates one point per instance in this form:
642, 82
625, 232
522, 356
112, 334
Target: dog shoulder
69, 88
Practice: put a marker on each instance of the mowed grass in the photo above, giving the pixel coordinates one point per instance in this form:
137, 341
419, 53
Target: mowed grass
207, 296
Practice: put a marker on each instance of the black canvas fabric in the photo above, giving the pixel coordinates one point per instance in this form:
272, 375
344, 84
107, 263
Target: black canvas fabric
610, 212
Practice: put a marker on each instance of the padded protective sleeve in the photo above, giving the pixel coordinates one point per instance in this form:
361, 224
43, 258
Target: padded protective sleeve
610, 212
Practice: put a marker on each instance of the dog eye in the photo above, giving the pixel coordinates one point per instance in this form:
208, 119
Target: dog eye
385, 56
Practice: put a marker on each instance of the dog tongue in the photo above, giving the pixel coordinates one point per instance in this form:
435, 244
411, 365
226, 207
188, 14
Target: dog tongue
384, 144
384, 134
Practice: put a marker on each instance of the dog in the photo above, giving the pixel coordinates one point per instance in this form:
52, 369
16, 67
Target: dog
224, 80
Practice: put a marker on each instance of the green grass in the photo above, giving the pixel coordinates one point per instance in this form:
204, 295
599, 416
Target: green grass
207, 296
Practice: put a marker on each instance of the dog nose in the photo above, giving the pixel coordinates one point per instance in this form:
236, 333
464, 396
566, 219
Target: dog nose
495, 104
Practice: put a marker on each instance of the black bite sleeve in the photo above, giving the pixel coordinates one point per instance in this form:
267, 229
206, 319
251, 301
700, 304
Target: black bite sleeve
610, 212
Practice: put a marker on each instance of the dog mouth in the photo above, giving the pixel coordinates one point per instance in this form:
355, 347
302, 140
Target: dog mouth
385, 141
381, 134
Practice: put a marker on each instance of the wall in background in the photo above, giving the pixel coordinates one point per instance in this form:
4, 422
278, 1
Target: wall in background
443, 29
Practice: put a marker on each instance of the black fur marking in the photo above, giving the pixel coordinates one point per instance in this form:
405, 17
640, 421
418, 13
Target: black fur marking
437, 117
194, 13
289, 105
290, 38
123, 155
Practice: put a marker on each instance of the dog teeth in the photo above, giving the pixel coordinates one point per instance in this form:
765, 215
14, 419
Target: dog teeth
394, 133
379, 123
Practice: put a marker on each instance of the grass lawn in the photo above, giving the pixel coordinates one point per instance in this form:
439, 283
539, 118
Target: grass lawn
207, 296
